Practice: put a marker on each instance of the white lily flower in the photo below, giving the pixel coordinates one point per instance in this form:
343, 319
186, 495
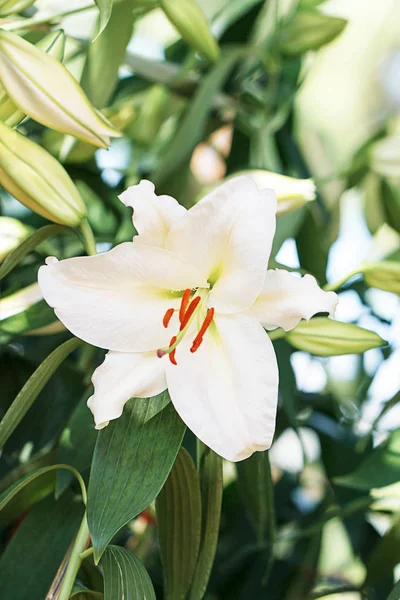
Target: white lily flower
183, 306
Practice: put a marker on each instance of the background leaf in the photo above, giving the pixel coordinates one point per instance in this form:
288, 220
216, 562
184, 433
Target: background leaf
132, 459
125, 578
178, 508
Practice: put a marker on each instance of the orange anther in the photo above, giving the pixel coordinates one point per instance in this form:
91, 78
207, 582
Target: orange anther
191, 308
206, 324
172, 353
184, 304
168, 317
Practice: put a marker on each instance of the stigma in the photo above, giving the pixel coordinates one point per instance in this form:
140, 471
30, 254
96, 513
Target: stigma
187, 311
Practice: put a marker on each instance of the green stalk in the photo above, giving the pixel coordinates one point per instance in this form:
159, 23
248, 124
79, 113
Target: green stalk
88, 237
75, 560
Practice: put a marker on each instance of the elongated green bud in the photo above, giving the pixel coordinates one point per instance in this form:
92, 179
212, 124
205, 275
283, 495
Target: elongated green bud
324, 337
42, 88
309, 30
384, 275
191, 23
12, 7
35, 178
52, 44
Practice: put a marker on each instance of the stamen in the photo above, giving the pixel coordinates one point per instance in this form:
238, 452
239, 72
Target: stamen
184, 304
192, 307
167, 317
206, 324
172, 354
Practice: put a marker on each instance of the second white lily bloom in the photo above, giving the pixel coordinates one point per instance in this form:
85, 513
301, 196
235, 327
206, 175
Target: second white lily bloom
184, 306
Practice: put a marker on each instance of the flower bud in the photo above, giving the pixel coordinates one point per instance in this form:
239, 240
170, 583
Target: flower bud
189, 20
45, 90
13, 7
36, 179
291, 193
309, 30
384, 275
12, 232
52, 44
324, 337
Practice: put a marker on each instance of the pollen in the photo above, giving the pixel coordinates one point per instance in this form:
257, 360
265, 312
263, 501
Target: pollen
184, 304
172, 353
168, 317
190, 310
206, 324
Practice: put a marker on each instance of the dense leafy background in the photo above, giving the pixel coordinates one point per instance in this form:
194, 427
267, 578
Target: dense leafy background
303, 94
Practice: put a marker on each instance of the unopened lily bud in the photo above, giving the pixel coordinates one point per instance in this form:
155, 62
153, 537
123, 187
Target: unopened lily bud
191, 23
37, 180
53, 44
309, 30
384, 275
12, 232
45, 90
291, 193
13, 7
324, 337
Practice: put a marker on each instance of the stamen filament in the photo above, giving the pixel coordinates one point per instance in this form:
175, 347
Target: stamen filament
167, 317
184, 304
206, 324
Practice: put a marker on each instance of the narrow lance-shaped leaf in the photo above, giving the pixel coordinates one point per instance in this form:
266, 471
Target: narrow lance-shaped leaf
132, 459
179, 526
33, 387
125, 578
211, 484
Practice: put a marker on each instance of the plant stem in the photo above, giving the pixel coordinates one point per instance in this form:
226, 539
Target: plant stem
88, 237
75, 560
87, 553
332, 287
271, 519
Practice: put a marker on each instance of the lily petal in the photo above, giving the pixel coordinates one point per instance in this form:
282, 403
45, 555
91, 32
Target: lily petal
226, 392
152, 215
123, 376
228, 235
117, 300
286, 299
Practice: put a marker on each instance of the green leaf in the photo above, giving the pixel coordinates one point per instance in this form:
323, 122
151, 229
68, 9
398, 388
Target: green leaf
309, 30
29, 244
105, 8
33, 387
132, 459
192, 126
100, 75
379, 469
231, 12
81, 592
179, 526
32, 557
385, 555
125, 578
211, 485
76, 445
36, 316
9, 494
325, 337
395, 593
253, 483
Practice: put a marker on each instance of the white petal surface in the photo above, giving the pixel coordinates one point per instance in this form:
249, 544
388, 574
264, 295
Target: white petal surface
123, 376
152, 215
117, 300
286, 299
227, 391
228, 235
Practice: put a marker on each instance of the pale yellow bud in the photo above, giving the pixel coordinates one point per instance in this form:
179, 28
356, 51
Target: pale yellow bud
324, 337
52, 44
12, 7
35, 178
291, 193
45, 90
384, 275
191, 23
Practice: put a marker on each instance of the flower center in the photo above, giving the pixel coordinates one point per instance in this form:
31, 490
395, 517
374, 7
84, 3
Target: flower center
189, 308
